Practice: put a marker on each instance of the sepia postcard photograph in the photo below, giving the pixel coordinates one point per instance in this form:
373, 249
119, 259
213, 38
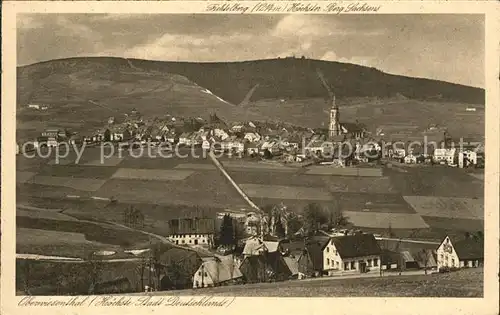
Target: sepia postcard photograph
249, 150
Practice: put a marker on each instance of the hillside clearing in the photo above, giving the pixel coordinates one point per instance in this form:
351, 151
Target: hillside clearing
285, 192
159, 175
460, 208
384, 220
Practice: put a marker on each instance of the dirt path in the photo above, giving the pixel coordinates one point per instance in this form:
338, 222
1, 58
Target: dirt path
236, 186
247, 97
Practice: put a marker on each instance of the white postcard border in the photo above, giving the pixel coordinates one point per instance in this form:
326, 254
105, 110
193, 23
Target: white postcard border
486, 305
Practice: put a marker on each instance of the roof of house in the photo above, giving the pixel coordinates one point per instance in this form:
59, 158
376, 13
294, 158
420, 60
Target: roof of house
252, 246
314, 248
271, 246
352, 127
470, 248
273, 261
425, 255
389, 257
192, 226
222, 270
293, 247
292, 264
356, 245
407, 256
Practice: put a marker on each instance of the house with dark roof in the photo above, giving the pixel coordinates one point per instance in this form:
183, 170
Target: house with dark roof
311, 259
267, 267
216, 271
390, 260
468, 252
192, 231
351, 253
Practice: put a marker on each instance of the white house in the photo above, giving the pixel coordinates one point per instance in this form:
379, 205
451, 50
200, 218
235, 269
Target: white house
238, 146
467, 158
351, 253
468, 252
444, 155
170, 137
192, 231
216, 271
398, 153
410, 159
252, 224
252, 148
184, 138
237, 128
252, 136
220, 133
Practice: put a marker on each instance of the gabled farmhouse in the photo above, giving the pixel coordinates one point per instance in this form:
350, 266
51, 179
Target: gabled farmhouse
196, 231
311, 259
468, 252
355, 253
265, 268
216, 271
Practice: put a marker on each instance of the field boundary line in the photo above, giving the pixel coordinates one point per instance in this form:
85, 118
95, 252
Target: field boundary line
238, 189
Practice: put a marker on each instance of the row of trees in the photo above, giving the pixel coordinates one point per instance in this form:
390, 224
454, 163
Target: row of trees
133, 217
282, 222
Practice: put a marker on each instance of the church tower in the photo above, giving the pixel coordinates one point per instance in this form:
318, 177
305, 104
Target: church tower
334, 128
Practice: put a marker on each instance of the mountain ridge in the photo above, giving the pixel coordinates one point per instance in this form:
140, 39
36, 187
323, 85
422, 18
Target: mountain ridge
244, 75
287, 90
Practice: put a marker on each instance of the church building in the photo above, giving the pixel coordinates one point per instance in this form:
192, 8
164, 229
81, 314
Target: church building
337, 129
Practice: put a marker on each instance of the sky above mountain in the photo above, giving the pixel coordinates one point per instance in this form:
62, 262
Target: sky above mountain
443, 47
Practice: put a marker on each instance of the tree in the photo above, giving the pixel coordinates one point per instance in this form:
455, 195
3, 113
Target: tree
107, 135
336, 216
25, 265
227, 235
425, 254
294, 223
95, 268
390, 233
267, 154
314, 217
279, 229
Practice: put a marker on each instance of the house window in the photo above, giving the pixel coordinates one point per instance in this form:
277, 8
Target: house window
346, 266
369, 262
189, 241
203, 240
353, 265
452, 262
199, 273
205, 274
328, 249
183, 241
338, 265
328, 262
375, 262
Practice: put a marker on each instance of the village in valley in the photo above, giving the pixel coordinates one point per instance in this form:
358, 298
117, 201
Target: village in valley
177, 155
275, 233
